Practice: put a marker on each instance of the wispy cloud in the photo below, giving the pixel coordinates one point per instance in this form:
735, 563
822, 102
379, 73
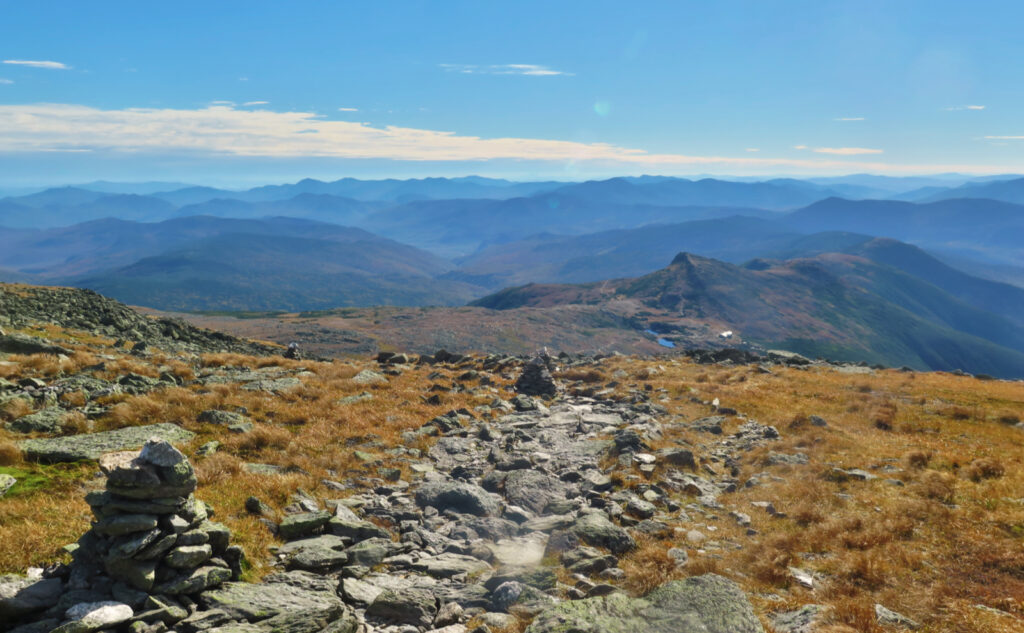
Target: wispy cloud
752, 149
846, 151
5, 81
226, 131
222, 102
255, 103
1005, 138
37, 64
532, 70
965, 107
839, 151
849, 118
348, 109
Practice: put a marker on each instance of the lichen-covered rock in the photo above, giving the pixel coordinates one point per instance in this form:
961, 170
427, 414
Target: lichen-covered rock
76, 448
48, 420
703, 604
594, 528
461, 497
20, 596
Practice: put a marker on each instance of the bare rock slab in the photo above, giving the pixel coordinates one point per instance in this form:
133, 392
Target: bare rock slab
92, 445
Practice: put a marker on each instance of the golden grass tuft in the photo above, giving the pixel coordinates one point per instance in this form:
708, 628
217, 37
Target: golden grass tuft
10, 454
984, 468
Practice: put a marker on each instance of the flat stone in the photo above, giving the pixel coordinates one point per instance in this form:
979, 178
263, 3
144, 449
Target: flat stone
709, 604
20, 596
520, 551
369, 377
460, 497
48, 420
294, 591
199, 580
303, 524
222, 418
448, 564
318, 554
410, 606
119, 524
188, 556
94, 616
91, 446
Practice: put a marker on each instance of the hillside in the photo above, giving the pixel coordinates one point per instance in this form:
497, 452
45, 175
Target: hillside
778, 490
243, 271
837, 306
982, 229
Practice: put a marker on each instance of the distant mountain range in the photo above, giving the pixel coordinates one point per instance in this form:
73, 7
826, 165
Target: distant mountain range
794, 264
835, 305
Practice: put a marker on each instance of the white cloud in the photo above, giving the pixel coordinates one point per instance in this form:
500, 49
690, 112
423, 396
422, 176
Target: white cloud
846, 151
532, 70
37, 64
226, 131
752, 149
849, 118
348, 109
255, 103
800, 147
223, 103
5, 82
965, 107
1005, 138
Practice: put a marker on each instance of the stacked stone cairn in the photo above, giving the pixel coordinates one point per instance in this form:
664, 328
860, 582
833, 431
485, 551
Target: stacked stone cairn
536, 379
152, 537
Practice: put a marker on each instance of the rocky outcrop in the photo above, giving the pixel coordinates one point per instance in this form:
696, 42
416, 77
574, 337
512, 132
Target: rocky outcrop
91, 446
709, 604
86, 310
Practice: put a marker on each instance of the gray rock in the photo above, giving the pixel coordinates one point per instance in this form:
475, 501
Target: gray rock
222, 418
48, 420
536, 380
448, 564
533, 490
6, 483
195, 582
92, 445
705, 604
94, 616
460, 497
594, 528
804, 620
369, 553
369, 377
409, 606
20, 596
188, 556
293, 592
15, 343
273, 385
300, 525
887, 617
319, 554
118, 524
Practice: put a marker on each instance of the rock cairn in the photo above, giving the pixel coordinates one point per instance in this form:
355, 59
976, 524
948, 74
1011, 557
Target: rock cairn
151, 535
536, 379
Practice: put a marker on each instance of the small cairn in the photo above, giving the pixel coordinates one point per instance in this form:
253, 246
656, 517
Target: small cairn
536, 379
151, 535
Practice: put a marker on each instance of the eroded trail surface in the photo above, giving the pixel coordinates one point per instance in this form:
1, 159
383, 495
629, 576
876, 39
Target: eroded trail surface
517, 515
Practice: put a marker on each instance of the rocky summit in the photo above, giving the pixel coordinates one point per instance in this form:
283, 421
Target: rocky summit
153, 490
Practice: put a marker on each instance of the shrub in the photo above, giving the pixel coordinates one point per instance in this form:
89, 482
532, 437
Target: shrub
984, 468
917, 459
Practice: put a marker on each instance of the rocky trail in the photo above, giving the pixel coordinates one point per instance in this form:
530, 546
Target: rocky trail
506, 519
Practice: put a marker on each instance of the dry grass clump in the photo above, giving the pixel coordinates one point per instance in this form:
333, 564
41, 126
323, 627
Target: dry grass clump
10, 454
75, 423
582, 374
1009, 417
649, 566
935, 485
957, 413
15, 408
884, 416
984, 468
918, 459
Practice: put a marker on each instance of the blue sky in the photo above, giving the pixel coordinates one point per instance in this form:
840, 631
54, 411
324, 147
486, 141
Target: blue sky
243, 92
